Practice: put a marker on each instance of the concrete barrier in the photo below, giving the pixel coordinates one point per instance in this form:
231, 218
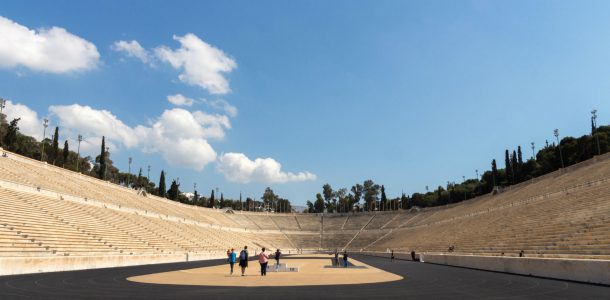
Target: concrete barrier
584, 270
27, 265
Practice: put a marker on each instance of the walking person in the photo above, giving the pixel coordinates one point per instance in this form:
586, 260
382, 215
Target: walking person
392, 256
277, 259
263, 259
345, 258
232, 257
243, 260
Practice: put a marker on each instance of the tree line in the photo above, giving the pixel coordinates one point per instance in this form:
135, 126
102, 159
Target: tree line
102, 167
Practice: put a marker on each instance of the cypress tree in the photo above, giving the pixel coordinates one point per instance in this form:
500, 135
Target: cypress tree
55, 149
384, 199
515, 167
66, 153
212, 201
222, 200
102, 169
494, 172
162, 191
508, 168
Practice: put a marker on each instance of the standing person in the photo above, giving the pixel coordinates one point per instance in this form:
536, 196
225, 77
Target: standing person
228, 254
336, 258
345, 258
392, 256
232, 257
263, 259
243, 260
277, 259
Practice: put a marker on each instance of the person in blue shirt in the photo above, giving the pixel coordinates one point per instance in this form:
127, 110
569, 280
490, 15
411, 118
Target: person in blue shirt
232, 257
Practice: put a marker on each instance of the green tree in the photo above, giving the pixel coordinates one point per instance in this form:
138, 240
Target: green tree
515, 167
508, 167
494, 173
222, 200
195, 200
371, 193
310, 208
384, 200
212, 201
269, 198
66, 153
11, 134
102, 162
357, 192
327, 192
55, 146
319, 204
162, 190
174, 191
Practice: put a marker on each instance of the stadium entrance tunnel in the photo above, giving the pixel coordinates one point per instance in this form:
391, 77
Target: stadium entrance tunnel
312, 270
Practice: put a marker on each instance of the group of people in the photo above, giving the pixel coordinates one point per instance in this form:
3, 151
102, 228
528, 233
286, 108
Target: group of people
263, 260
345, 257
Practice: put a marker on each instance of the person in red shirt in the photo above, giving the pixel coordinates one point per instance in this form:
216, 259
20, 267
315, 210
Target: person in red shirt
263, 259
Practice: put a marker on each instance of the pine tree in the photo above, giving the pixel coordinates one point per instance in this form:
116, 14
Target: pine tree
102, 170
319, 204
384, 199
66, 153
494, 172
212, 201
55, 149
508, 166
162, 190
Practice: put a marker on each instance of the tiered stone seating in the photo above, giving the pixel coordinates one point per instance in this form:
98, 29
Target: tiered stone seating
357, 221
562, 214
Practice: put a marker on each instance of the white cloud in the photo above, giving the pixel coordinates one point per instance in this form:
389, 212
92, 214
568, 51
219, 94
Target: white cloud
53, 50
179, 135
92, 122
133, 49
222, 105
29, 124
238, 167
180, 100
203, 65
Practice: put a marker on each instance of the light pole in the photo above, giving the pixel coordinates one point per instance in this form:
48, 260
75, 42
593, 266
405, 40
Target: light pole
556, 133
129, 172
2, 104
79, 139
533, 150
594, 122
45, 124
148, 174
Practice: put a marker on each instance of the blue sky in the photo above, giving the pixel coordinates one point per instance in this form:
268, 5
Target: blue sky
405, 93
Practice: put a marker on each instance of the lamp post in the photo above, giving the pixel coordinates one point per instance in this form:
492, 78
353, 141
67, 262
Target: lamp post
79, 139
533, 150
2, 104
556, 133
148, 174
129, 172
45, 124
594, 122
